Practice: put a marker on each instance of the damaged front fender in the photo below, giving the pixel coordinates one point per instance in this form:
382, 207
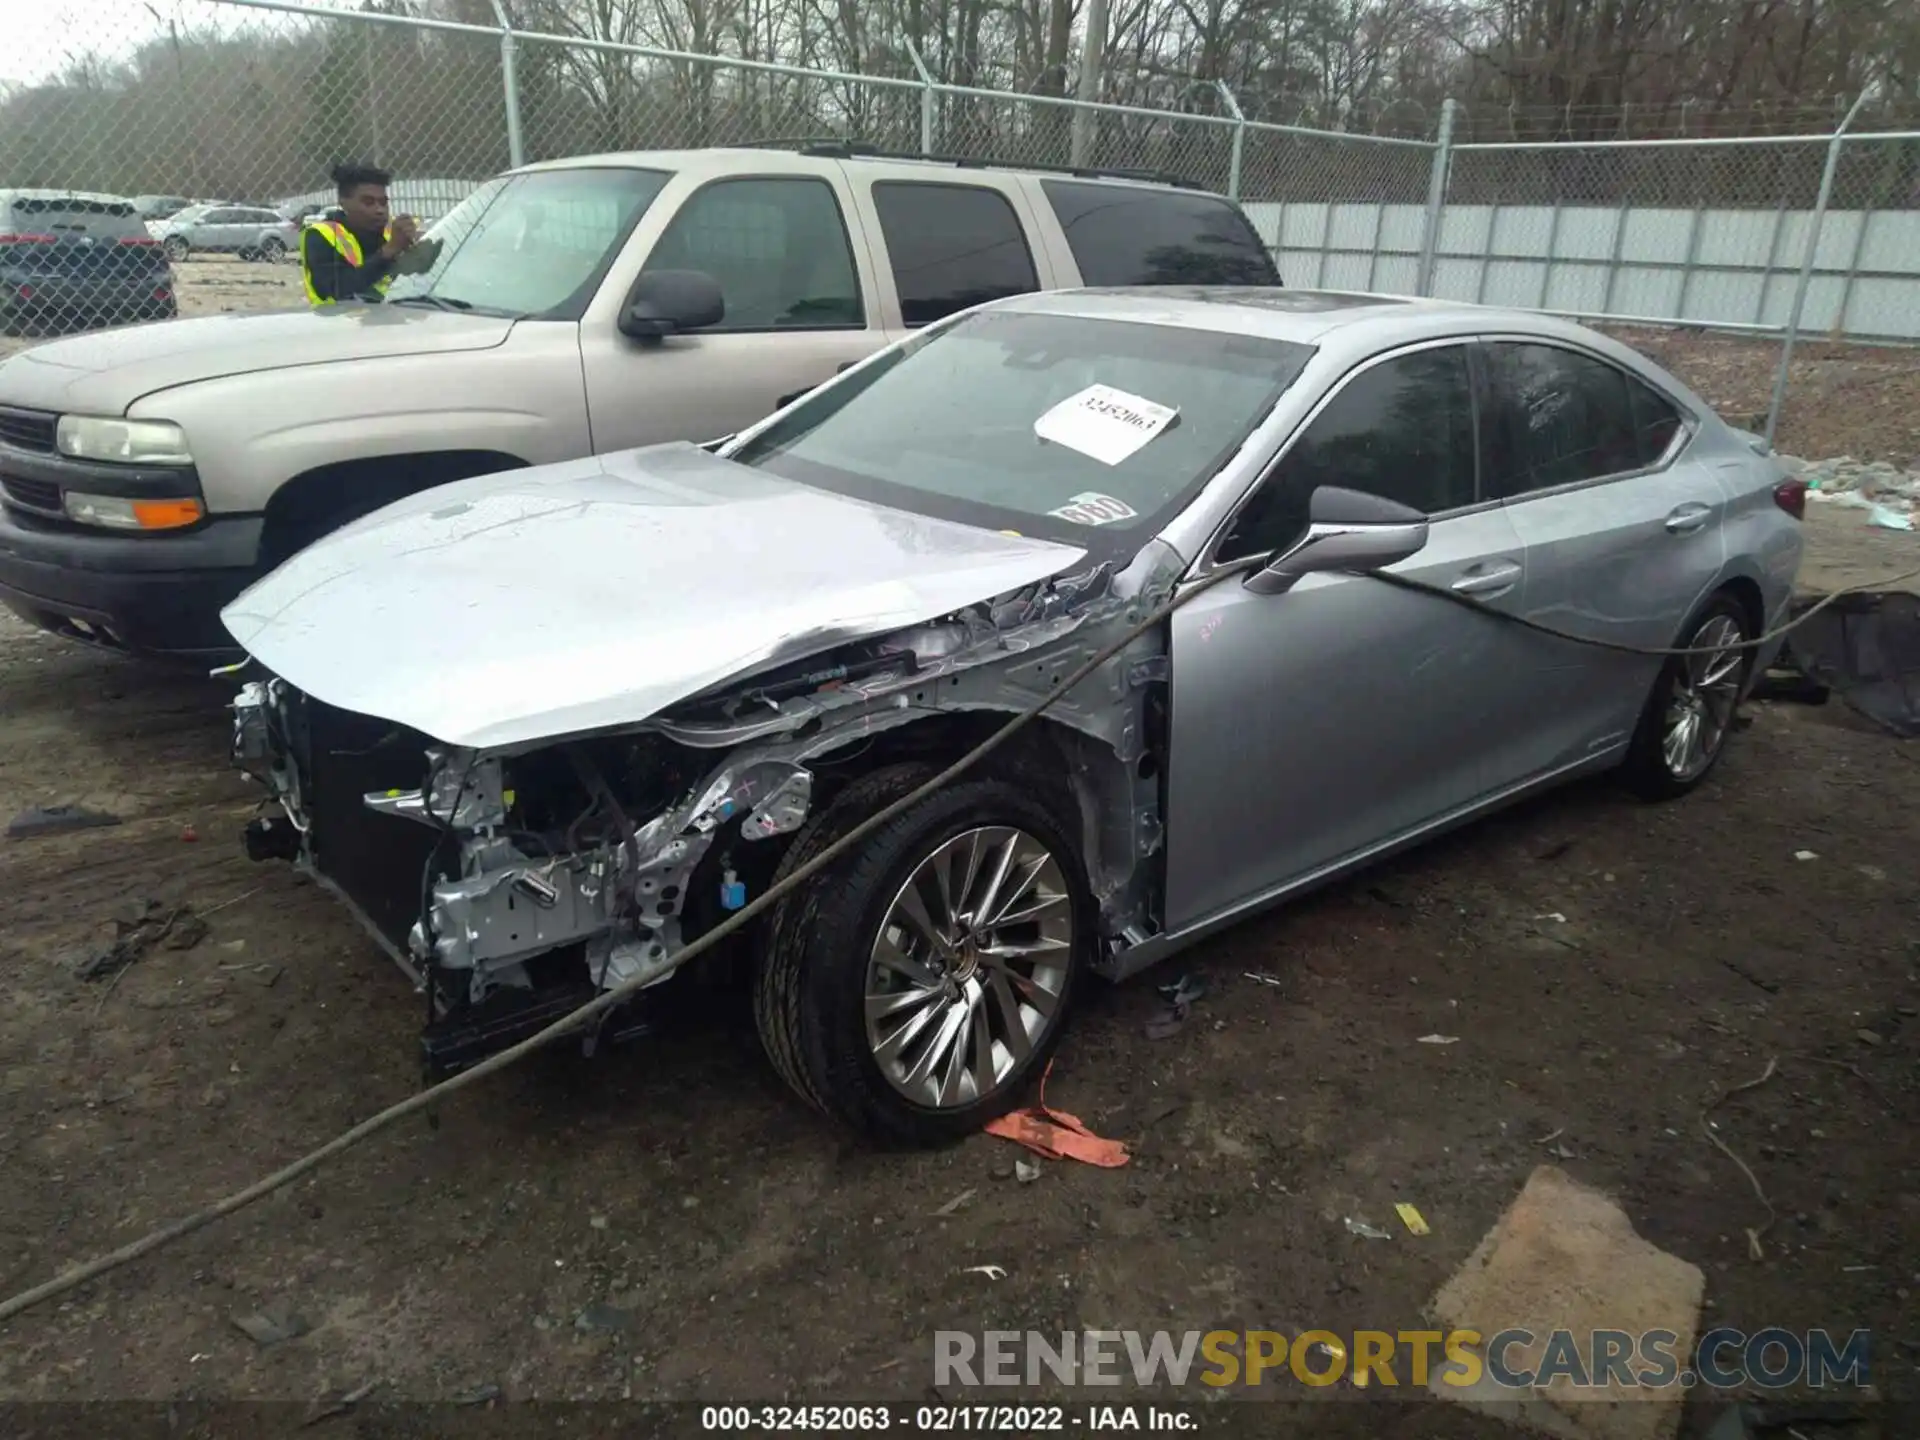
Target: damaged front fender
504, 892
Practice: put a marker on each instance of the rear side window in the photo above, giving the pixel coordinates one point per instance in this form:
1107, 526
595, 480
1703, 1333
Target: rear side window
1558, 417
1655, 421
1124, 235
952, 246
778, 248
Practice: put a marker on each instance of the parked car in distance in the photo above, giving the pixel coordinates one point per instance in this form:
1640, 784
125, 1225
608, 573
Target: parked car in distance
250, 231
530, 337
72, 259
543, 730
154, 209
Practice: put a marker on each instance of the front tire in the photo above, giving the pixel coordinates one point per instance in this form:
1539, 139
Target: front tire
272, 250
176, 248
1688, 717
915, 987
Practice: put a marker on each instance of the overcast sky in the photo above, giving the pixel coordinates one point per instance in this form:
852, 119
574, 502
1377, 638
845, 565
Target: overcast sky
39, 37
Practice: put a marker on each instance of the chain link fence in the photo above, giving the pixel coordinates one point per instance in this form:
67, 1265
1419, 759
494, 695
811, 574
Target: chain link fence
151, 155
1714, 233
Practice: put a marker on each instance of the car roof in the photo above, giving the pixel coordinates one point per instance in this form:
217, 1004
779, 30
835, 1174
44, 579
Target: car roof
772, 159
1345, 326
97, 197
1304, 317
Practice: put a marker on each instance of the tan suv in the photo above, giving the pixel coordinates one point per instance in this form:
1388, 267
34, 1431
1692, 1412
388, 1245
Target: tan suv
569, 308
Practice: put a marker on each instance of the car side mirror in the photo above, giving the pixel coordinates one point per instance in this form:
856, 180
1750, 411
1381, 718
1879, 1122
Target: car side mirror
669, 302
1346, 530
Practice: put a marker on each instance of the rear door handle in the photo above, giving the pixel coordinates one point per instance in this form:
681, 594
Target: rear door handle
1685, 519
1494, 579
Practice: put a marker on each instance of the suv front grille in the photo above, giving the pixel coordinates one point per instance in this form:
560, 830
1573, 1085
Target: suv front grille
27, 429
32, 494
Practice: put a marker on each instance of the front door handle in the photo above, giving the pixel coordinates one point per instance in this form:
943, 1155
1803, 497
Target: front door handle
1685, 519
1494, 579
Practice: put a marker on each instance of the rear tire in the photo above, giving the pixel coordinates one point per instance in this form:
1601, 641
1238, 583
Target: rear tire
909, 1038
1688, 716
272, 250
176, 248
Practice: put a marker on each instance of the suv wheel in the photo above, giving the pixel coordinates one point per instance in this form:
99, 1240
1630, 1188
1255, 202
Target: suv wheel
176, 248
273, 249
918, 984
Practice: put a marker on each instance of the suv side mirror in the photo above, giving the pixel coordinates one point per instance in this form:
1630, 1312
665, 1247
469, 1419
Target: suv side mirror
1346, 530
667, 302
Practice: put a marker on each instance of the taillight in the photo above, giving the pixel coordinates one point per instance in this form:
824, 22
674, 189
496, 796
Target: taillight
1791, 496
27, 239
137, 240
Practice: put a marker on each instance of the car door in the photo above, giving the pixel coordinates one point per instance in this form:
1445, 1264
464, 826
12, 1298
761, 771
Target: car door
1314, 725
1623, 530
796, 313
220, 230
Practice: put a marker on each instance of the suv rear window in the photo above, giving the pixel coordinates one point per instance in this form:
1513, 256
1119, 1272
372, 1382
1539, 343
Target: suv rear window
1123, 235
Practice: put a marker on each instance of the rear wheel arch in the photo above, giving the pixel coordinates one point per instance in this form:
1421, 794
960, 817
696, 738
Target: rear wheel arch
318, 501
1747, 591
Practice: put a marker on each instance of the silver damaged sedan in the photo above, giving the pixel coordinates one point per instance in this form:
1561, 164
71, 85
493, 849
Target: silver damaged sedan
541, 730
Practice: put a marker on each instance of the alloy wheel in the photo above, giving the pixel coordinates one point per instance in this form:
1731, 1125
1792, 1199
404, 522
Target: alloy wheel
1700, 709
965, 977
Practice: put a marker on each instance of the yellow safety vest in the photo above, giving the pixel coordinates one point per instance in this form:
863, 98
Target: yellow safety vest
336, 234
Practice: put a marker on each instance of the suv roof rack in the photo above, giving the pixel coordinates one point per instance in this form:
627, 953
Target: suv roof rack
833, 147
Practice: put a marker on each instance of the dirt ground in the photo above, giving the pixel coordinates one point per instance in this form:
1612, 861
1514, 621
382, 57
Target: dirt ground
1607, 966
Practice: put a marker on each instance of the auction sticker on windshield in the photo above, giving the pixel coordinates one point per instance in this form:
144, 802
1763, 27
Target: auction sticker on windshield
1104, 423
1092, 508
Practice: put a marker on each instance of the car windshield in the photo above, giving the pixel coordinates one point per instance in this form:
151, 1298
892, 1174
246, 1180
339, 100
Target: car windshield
1047, 424
530, 245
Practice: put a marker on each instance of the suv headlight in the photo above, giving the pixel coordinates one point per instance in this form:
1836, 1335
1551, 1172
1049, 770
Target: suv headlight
127, 442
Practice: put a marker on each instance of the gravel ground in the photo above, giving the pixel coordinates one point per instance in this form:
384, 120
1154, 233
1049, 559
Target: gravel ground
668, 1224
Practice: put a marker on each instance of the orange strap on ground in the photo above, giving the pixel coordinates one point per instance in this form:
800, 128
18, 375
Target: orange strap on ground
1058, 1135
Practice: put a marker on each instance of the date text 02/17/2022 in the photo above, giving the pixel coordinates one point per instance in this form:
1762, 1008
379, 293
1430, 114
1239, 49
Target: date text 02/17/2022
944, 1419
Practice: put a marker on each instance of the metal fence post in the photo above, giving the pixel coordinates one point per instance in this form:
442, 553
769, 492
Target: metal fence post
510, 86
1814, 227
1228, 99
1436, 198
926, 97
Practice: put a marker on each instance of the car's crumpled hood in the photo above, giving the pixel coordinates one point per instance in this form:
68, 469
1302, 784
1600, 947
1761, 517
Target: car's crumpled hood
105, 372
536, 604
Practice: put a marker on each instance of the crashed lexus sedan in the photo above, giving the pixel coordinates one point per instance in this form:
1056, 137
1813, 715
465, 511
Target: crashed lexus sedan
542, 729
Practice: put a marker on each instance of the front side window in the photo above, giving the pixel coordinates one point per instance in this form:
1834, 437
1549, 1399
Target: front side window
1402, 430
777, 247
1559, 417
1061, 426
952, 247
1132, 235
534, 245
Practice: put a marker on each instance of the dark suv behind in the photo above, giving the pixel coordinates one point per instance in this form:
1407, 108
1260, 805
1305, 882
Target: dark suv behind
78, 261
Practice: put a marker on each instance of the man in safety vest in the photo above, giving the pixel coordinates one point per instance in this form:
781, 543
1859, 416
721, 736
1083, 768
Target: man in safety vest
354, 257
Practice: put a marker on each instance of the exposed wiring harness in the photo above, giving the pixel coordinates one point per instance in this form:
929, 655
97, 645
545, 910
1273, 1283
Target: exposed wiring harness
739, 919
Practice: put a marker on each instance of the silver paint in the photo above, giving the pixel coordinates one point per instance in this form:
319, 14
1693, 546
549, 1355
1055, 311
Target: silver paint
1312, 730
